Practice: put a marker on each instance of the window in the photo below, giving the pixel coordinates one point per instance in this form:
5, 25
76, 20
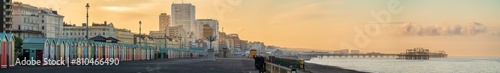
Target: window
103, 33
43, 21
19, 27
43, 27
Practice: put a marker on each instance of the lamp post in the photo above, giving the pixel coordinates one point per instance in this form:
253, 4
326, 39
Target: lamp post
140, 47
87, 23
87, 28
140, 22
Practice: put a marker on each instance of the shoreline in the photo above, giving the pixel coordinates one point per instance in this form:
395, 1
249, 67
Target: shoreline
317, 68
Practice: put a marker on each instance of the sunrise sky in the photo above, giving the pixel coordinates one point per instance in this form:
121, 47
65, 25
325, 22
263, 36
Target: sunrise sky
459, 27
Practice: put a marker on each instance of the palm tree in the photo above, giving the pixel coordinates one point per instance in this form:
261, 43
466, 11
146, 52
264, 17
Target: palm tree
211, 39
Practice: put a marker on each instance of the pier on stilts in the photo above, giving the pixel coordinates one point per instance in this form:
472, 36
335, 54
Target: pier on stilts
410, 54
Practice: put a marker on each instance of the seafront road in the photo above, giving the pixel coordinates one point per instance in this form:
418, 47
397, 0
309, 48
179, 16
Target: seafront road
192, 65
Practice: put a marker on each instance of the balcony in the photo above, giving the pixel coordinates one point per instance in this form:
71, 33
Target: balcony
27, 31
8, 22
8, 16
8, 3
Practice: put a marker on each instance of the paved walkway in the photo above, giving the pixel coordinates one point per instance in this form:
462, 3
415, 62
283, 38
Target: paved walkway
197, 65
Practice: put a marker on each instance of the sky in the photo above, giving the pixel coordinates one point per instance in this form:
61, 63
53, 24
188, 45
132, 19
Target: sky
459, 27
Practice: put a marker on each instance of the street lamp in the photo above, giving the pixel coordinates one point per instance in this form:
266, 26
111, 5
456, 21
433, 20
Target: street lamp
87, 28
87, 23
140, 22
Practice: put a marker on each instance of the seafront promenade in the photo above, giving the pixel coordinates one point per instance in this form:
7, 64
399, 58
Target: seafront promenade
192, 65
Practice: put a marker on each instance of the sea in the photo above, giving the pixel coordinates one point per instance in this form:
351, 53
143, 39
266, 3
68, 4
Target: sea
433, 65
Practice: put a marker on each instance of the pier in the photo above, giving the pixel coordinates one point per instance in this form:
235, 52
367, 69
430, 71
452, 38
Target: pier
410, 54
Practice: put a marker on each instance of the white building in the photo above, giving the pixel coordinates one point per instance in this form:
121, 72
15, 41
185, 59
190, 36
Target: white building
124, 35
259, 46
183, 14
25, 20
105, 30
51, 23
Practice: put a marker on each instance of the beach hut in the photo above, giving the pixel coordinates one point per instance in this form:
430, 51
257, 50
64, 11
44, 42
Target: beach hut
148, 52
52, 48
129, 52
99, 50
95, 49
108, 50
59, 49
46, 49
85, 49
79, 49
3, 51
66, 50
10, 48
33, 48
151, 52
90, 49
124, 52
73, 49
112, 50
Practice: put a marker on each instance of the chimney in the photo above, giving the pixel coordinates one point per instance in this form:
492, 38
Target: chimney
55, 12
105, 23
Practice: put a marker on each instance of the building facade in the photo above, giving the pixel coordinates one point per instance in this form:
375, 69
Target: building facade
184, 14
144, 40
51, 23
222, 41
176, 32
164, 22
105, 30
234, 43
124, 35
164, 25
25, 20
200, 23
259, 46
157, 34
6, 16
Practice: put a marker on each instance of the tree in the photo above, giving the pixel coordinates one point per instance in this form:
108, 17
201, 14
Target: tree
211, 39
18, 42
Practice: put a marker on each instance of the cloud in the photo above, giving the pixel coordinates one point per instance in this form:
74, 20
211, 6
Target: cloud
118, 8
470, 29
305, 12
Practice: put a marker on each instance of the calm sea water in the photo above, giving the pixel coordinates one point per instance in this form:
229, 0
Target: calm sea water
434, 65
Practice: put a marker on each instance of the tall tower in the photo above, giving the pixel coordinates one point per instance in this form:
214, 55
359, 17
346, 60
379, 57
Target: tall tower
184, 14
164, 22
